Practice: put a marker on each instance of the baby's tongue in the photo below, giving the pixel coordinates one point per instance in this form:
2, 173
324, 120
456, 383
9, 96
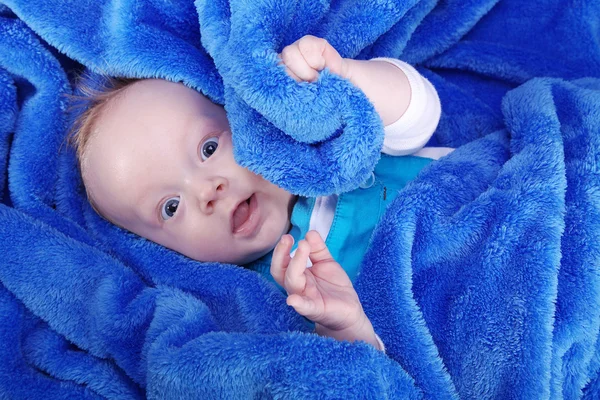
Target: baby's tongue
240, 215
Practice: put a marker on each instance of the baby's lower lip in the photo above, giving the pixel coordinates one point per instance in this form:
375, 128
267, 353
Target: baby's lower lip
249, 226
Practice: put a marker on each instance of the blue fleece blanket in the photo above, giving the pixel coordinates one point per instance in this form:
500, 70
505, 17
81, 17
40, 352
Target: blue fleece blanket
482, 280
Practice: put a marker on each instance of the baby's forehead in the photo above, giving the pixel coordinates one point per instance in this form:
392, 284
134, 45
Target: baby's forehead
142, 103
157, 90
151, 123
146, 124
156, 98
123, 134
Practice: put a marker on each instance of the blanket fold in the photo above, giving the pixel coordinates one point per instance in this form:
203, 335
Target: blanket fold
482, 279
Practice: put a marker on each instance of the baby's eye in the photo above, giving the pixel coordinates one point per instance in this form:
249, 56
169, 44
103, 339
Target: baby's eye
209, 146
169, 207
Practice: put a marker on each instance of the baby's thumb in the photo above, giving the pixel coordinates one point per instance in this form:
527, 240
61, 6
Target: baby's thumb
302, 305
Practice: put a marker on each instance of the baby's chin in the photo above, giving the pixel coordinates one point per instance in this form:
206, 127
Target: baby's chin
263, 244
229, 256
260, 252
249, 258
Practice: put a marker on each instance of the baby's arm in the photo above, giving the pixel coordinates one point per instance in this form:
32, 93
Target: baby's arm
322, 293
406, 102
386, 86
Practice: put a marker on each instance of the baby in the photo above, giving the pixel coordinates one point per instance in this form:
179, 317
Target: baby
156, 159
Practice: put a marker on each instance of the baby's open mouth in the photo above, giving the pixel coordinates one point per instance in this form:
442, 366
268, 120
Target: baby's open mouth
243, 220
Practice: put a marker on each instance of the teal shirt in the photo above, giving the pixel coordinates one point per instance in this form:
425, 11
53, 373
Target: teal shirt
356, 214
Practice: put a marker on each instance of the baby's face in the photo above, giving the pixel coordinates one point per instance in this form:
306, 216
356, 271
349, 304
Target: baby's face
161, 165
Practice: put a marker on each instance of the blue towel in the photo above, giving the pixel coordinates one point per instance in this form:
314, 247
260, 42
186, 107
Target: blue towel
482, 279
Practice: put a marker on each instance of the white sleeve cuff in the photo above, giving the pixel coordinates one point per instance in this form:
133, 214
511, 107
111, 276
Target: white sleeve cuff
416, 126
380, 345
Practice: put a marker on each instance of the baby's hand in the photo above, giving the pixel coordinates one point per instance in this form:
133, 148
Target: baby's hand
322, 293
308, 55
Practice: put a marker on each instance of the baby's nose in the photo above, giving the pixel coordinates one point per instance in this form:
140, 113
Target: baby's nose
209, 192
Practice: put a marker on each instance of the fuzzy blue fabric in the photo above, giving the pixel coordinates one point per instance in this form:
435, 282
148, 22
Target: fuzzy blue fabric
482, 279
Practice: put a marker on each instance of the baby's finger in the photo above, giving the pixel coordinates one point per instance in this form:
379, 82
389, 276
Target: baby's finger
295, 280
297, 65
319, 251
289, 71
293, 75
281, 258
312, 49
303, 306
319, 54
335, 62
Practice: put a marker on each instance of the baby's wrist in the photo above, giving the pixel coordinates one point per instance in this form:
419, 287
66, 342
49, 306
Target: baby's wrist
362, 330
356, 71
381, 81
348, 68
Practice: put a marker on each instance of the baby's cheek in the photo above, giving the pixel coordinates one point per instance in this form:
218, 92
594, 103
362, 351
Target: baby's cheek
282, 227
197, 246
